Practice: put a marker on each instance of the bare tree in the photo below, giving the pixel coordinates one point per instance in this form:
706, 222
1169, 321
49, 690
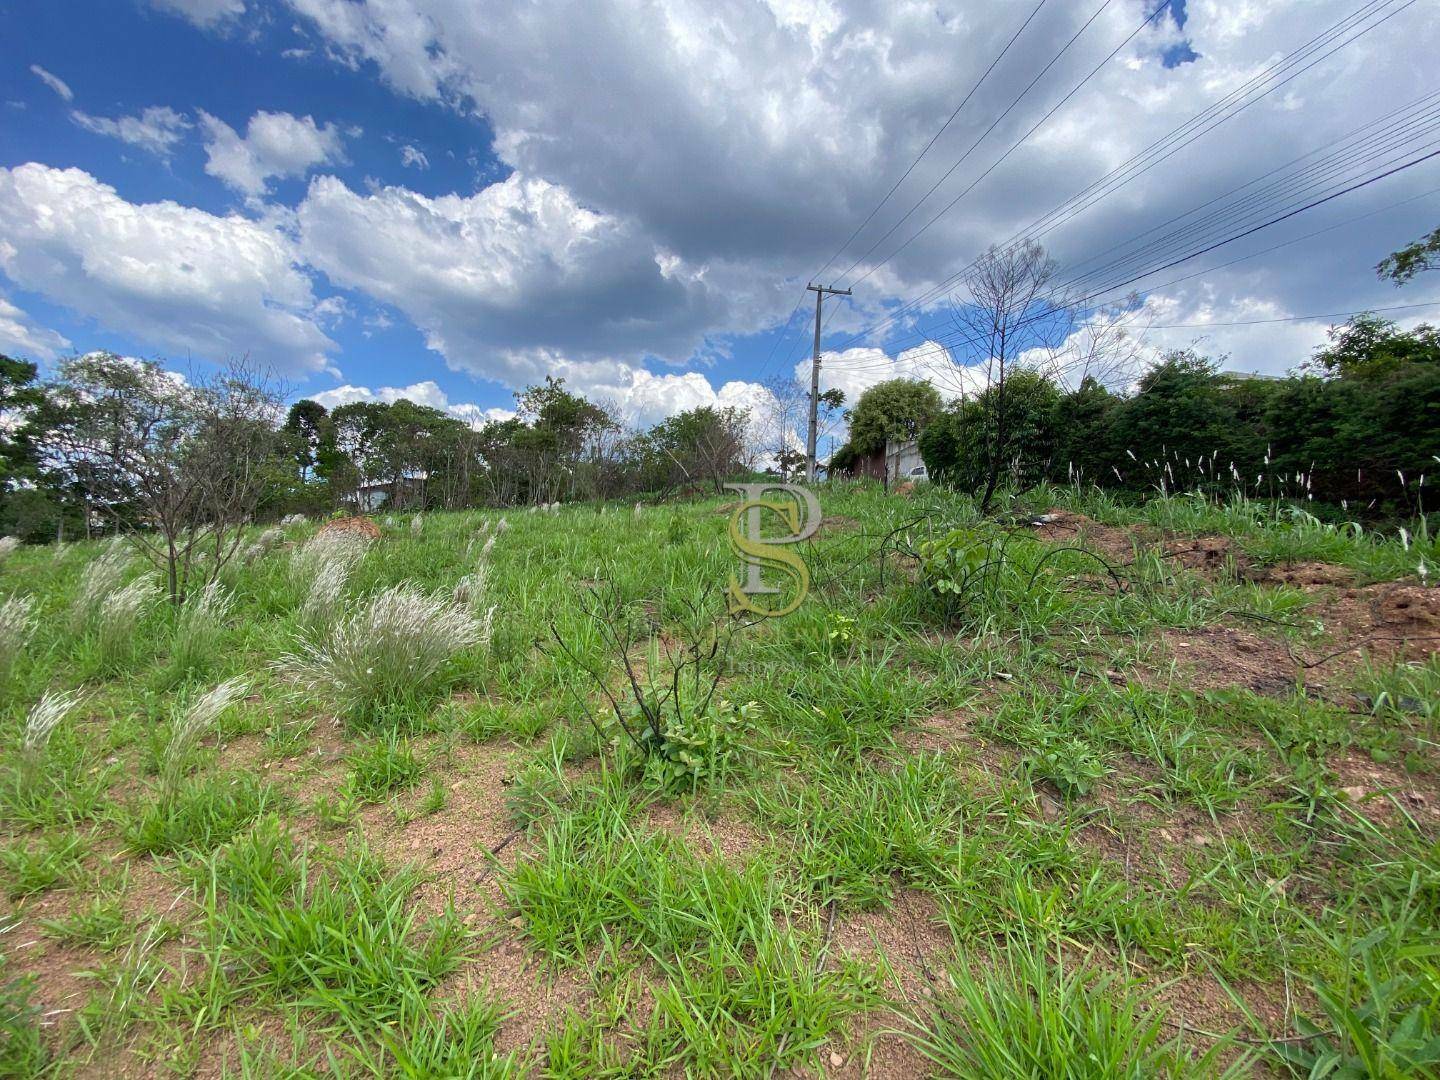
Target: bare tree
782, 420
1005, 313
178, 466
1106, 346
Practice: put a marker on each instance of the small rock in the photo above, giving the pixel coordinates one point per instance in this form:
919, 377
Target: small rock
1182, 644
1354, 792
457, 785
1201, 839
836, 1060
518, 922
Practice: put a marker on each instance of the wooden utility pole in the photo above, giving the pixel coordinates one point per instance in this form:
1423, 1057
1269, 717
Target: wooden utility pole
820, 292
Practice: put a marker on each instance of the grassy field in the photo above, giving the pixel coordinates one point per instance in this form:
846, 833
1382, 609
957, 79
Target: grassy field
1118, 793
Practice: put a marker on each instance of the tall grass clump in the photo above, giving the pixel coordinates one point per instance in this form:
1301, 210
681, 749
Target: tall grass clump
17, 626
326, 549
50, 775
473, 590
200, 629
1028, 1014
117, 621
391, 651
8, 546
322, 602
192, 726
260, 547
100, 578
44, 717
201, 812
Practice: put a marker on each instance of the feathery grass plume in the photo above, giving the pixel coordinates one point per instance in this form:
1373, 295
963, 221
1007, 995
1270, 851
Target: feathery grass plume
98, 580
200, 627
119, 614
44, 717
191, 727
472, 589
17, 623
324, 549
417, 524
487, 628
261, 545
502, 525
323, 598
8, 546
293, 519
393, 647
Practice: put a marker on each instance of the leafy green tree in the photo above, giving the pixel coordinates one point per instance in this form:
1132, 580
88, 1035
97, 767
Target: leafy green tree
1085, 432
959, 445
1415, 258
701, 445
180, 466
894, 409
306, 425
1368, 346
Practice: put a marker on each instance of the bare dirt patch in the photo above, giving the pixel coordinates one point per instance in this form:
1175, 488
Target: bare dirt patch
724, 835
1207, 554
1393, 620
1058, 526
1225, 657
1302, 575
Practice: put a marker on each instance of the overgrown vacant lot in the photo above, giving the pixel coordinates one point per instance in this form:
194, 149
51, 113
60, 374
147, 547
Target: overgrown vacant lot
1114, 793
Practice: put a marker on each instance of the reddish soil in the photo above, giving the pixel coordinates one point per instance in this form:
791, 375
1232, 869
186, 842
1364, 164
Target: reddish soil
1221, 657
1065, 527
362, 526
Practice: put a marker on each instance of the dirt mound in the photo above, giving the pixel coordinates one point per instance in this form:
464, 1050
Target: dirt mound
361, 526
1409, 609
1398, 620
1206, 553
1223, 657
1302, 575
1066, 527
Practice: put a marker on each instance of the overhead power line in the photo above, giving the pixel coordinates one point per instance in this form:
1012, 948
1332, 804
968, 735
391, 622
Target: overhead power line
943, 343
933, 139
1294, 318
1326, 44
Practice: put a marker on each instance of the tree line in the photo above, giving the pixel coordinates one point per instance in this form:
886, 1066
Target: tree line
112, 444
1356, 427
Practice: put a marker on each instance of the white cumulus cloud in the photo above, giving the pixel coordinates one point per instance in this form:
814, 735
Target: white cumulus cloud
503, 281
206, 13
189, 282
426, 393
275, 144
20, 337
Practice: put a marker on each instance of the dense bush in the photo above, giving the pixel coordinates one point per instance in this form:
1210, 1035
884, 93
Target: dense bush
1358, 425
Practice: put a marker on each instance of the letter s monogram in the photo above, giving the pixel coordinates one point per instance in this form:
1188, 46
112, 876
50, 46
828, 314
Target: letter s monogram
772, 555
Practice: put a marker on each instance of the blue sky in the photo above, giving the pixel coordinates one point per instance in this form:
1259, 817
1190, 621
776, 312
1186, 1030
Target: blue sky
451, 200
133, 57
